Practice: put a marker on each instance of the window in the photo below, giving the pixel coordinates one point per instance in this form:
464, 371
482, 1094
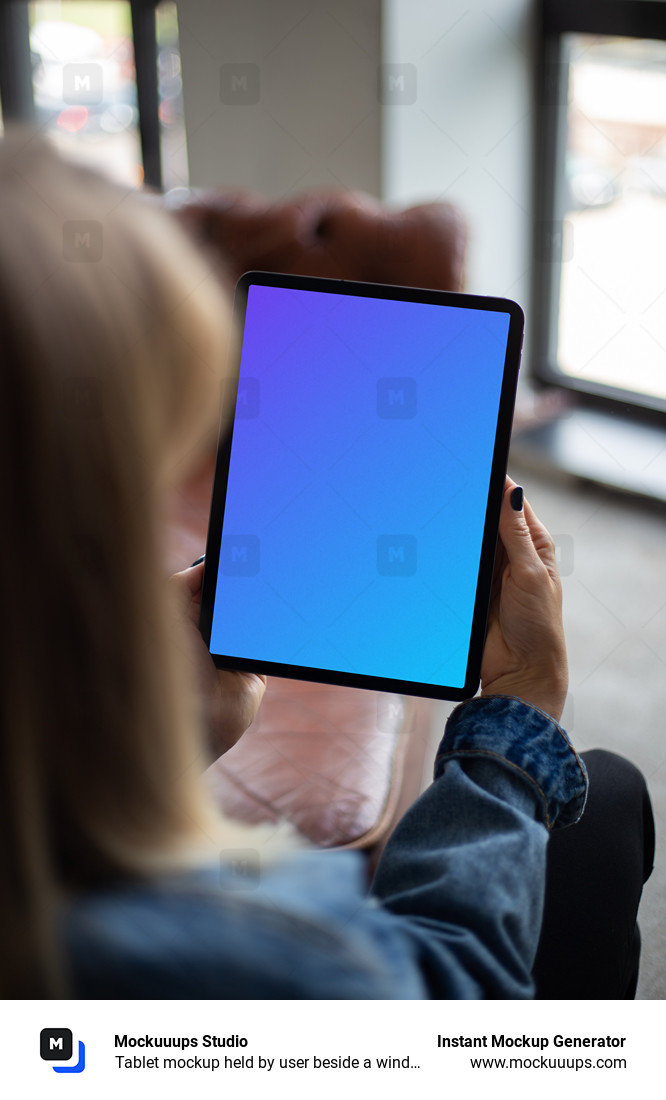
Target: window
84, 83
600, 241
102, 79
170, 88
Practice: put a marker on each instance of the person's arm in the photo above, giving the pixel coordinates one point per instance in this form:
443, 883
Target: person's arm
229, 700
456, 901
525, 652
464, 870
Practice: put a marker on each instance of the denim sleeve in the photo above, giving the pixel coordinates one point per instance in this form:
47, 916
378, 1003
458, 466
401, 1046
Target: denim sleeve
456, 902
464, 870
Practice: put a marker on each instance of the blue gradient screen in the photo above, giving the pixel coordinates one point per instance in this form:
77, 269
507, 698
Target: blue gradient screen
358, 484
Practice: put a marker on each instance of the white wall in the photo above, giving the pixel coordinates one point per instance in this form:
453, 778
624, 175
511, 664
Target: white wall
309, 115
467, 138
319, 122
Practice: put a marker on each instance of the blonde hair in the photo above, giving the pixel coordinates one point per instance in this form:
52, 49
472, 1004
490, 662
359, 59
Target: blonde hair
113, 336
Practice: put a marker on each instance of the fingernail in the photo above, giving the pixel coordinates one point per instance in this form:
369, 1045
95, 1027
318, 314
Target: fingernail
198, 561
516, 498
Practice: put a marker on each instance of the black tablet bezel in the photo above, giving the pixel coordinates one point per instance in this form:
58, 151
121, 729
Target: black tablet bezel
495, 491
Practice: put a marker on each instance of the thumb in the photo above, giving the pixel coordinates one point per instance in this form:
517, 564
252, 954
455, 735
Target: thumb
185, 590
188, 581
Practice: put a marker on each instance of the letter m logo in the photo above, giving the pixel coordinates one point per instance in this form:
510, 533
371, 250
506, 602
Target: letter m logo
239, 555
396, 398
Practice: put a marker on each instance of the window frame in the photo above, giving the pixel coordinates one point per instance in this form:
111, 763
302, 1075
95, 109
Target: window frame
16, 90
644, 19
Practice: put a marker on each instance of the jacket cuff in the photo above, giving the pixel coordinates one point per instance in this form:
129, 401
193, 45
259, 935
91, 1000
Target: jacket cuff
526, 740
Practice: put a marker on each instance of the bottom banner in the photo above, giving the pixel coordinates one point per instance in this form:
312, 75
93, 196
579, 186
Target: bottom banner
212, 1048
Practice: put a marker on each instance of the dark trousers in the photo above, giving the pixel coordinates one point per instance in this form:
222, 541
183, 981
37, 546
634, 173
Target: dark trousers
590, 943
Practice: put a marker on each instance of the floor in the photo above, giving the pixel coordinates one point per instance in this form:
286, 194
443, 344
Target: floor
612, 556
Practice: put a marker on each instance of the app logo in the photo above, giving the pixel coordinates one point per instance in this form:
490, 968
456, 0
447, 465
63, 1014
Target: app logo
397, 85
241, 868
82, 84
239, 556
82, 241
247, 402
396, 398
396, 555
56, 1044
240, 85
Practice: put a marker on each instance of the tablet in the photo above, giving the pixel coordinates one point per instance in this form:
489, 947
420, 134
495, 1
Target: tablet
358, 485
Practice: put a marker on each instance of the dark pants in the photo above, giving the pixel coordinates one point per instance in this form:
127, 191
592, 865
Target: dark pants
590, 943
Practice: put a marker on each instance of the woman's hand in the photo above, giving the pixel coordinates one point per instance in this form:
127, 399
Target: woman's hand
230, 699
525, 653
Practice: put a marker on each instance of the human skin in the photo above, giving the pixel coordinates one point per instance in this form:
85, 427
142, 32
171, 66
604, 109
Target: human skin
524, 654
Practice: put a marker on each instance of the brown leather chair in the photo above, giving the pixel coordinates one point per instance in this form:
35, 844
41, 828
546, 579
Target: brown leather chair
339, 235
340, 764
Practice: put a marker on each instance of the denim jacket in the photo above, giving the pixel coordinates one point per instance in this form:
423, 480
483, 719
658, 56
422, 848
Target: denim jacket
454, 910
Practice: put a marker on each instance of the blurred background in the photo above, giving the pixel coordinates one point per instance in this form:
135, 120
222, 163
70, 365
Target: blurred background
545, 124
84, 81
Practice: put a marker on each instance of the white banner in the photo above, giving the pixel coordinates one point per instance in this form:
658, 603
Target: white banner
128, 1049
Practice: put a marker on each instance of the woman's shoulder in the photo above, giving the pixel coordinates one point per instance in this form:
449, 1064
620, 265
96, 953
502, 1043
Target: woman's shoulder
240, 930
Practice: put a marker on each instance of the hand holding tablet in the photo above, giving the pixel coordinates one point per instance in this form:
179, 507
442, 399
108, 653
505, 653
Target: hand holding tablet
525, 652
358, 488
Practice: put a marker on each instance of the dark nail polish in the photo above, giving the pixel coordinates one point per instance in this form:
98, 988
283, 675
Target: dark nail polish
516, 498
198, 561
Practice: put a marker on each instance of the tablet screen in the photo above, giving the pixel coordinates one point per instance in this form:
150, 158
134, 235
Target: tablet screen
351, 510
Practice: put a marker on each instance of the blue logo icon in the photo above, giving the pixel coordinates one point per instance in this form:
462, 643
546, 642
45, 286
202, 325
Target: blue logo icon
239, 556
247, 402
56, 1045
396, 398
396, 555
